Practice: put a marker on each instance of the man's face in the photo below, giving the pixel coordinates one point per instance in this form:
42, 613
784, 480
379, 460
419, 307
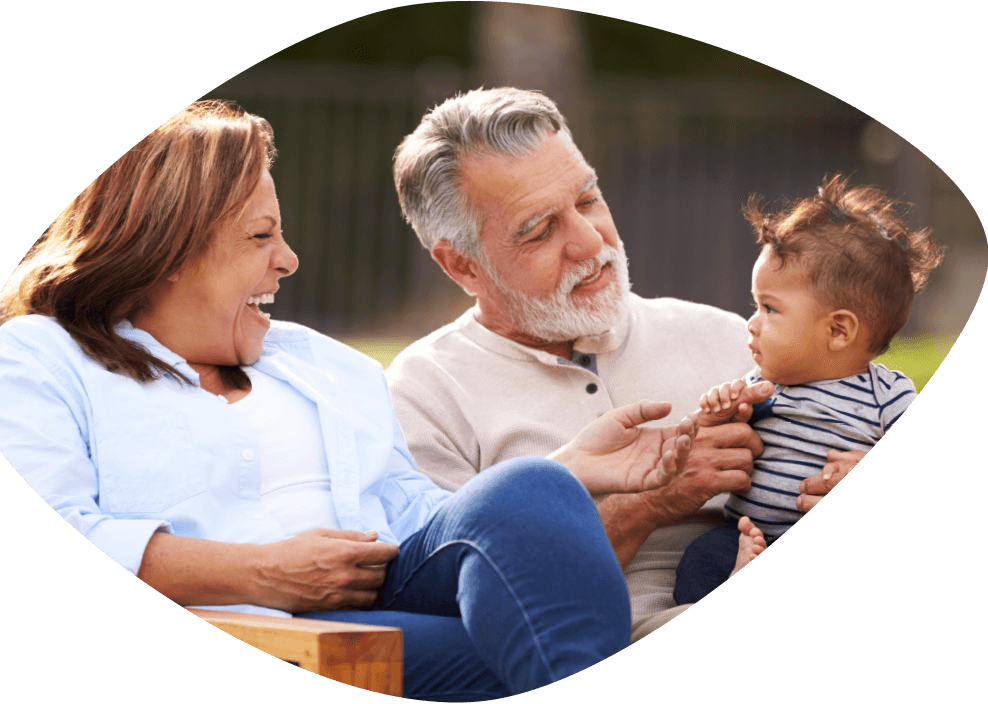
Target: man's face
553, 266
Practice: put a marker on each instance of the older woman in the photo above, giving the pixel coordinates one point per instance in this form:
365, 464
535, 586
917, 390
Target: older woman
226, 459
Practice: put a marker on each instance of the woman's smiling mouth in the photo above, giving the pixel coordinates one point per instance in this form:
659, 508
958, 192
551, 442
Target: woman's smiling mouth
253, 302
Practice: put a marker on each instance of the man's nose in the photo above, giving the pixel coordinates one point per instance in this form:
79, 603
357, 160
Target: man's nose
584, 242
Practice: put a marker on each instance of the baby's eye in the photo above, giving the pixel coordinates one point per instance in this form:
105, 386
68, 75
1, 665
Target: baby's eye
769, 309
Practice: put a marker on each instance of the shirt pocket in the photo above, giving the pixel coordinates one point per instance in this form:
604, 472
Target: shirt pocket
148, 464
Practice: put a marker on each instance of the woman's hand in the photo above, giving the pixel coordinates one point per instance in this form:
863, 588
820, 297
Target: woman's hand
323, 570
614, 454
319, 570
814, 488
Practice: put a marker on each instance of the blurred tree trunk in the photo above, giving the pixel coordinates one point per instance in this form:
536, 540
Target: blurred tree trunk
536, 48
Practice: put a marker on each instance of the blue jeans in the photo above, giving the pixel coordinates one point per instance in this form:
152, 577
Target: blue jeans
707, 562
511, 585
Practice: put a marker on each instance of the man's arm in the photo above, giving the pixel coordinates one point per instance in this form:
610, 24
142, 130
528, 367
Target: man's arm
721, 460
620, 453
438, 436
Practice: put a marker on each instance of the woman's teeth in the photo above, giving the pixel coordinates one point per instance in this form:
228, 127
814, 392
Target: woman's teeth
260, 299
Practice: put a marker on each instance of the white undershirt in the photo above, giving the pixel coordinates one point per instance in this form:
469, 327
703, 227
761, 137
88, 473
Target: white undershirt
294, 474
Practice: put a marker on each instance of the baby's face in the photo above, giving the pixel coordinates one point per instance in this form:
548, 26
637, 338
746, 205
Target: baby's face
788, 334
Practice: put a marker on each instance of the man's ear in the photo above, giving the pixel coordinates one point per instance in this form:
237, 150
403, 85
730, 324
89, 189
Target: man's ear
843, 329
458, 266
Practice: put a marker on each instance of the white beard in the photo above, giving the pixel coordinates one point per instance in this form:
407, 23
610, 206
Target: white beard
557, 318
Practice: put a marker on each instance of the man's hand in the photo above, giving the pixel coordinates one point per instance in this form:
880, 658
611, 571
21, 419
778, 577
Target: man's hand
721, 460
323, 570
614, 454
814, 488
732, 402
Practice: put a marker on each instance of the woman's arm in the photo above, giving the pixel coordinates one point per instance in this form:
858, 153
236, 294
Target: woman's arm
319, 570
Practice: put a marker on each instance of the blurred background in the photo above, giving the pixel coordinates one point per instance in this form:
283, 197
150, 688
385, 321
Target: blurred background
680, 133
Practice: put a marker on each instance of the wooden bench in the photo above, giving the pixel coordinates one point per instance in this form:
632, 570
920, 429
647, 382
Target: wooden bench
369, 657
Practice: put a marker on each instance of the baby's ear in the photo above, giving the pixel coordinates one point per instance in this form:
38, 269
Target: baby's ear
843, 328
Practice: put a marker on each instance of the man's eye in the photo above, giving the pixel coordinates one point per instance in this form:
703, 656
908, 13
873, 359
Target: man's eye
587, 204
541, 236
263, 236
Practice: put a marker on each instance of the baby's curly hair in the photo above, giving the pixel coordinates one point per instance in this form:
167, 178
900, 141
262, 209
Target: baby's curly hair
858, 252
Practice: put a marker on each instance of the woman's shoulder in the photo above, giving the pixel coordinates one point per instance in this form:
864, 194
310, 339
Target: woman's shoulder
38, 332
305, 342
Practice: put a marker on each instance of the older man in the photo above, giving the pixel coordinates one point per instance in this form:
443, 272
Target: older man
495, 188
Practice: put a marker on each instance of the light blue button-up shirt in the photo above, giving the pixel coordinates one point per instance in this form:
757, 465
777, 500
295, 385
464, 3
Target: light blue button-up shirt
120, 460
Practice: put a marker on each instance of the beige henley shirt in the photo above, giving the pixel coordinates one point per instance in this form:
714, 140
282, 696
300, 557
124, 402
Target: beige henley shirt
467, 398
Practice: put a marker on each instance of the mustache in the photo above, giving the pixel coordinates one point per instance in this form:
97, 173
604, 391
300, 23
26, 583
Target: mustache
586, 268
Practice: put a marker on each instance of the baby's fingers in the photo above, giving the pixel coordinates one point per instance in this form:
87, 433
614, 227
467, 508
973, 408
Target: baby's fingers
737, 387
725, 395
710, 401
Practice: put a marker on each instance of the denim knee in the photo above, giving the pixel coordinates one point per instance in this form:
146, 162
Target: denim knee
539, 475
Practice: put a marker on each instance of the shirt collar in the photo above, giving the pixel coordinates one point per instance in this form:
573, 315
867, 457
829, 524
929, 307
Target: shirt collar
127, 331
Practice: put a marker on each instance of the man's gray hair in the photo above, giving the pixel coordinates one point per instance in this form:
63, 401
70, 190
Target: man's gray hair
499, 122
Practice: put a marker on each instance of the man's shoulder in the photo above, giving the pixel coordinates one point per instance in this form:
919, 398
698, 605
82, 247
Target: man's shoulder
668, 319
678, 311
438, 349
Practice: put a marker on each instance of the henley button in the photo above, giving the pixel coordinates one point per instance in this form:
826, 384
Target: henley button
591, 388
248, 455
584, 360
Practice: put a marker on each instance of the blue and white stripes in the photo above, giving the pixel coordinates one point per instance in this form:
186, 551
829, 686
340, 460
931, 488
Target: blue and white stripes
800, 424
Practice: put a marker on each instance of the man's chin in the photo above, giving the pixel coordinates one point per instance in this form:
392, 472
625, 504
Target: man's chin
577, 322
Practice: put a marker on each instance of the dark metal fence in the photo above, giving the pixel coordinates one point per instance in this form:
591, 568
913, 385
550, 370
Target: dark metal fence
676, 161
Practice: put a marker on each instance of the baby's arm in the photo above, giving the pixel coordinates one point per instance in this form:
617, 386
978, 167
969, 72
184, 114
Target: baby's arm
731, 402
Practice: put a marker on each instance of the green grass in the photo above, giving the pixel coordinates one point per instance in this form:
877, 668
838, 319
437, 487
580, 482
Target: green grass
917, 357
383, 349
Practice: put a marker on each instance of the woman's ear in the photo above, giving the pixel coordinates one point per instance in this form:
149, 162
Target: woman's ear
843, 329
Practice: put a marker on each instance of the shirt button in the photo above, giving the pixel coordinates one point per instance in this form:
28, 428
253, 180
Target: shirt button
248, 455
591, 388
584, 360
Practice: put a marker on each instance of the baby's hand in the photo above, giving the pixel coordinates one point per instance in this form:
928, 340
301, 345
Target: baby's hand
718, 405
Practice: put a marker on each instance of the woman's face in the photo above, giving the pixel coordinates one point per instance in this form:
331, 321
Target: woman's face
209, 312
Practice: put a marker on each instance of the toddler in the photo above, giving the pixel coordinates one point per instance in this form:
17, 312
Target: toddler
833, 284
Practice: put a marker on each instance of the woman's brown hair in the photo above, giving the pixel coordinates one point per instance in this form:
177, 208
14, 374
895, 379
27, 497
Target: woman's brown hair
152, 212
